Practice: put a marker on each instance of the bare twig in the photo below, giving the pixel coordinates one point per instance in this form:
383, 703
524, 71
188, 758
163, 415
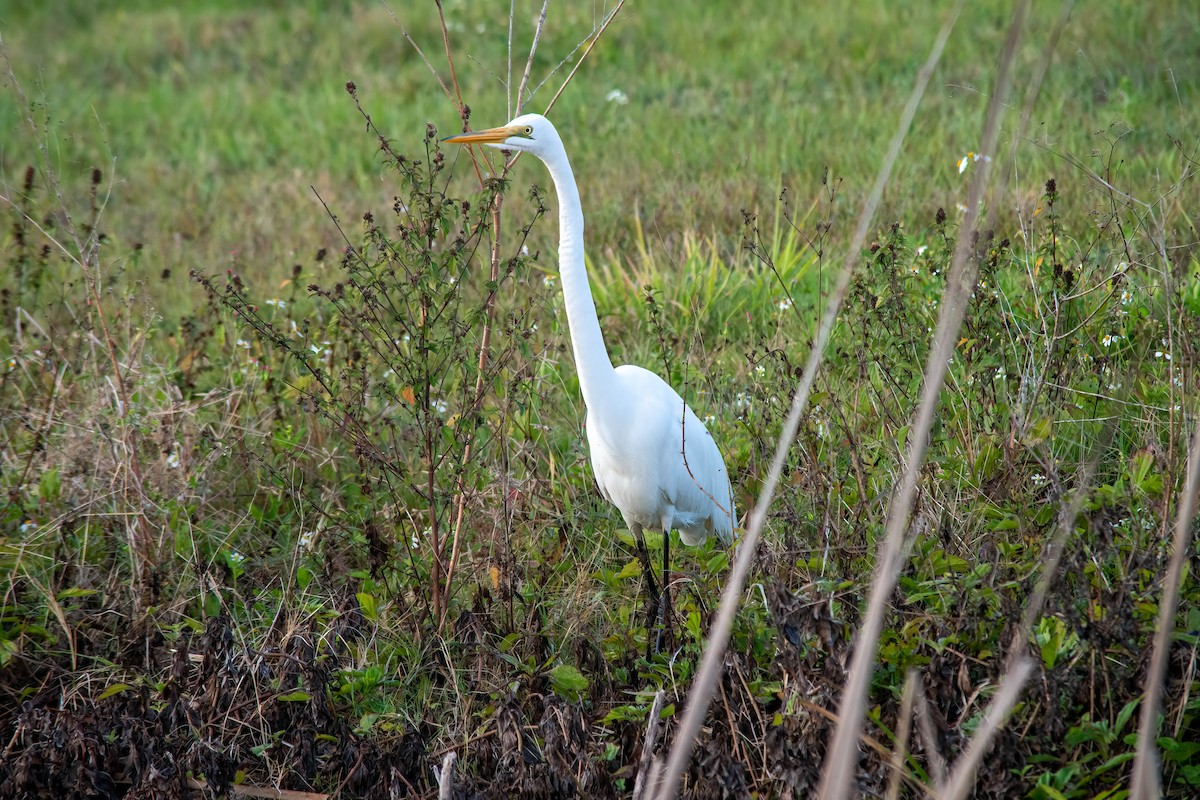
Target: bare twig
1146, 779
644, 784
933, 756
718, 639
417, 48
903, 729
537, 35
245, 790
595, 38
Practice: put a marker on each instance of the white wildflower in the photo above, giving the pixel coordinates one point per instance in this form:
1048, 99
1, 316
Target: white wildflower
617, 96
969, 159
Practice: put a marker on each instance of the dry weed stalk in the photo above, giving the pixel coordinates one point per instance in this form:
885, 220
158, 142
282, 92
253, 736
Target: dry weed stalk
841, 759
84, 253
718, 638
1146, 783
443, 573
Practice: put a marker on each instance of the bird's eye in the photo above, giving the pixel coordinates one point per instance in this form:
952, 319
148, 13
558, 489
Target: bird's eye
528, 131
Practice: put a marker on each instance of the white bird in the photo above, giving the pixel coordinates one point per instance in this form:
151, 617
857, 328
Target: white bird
652, 456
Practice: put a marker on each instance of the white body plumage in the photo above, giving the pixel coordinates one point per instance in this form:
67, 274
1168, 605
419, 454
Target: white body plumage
660, 473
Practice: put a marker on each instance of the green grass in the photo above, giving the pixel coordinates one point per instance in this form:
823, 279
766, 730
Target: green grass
222, 501
220, 119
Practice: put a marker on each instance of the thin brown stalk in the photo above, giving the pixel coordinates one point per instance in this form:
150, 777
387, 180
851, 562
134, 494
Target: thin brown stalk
933, 756
537, 35
903, 730
718, 639
595, 38
449, 54
417, 49
480, 385
841, 758
494, 267
1146, 778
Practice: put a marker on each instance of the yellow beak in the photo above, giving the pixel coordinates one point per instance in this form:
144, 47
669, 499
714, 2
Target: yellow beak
489, 136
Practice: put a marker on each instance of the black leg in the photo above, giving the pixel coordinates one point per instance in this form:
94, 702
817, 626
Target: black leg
655, 604
665, 602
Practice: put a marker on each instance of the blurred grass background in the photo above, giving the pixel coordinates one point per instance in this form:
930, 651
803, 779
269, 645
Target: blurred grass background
216, 117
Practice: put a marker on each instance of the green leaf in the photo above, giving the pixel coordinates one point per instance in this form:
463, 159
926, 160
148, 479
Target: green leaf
49, 486
294, 697
366, 604
116, 688
568, 681
75, 591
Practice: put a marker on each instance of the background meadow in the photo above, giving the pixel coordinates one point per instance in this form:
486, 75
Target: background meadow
270, 520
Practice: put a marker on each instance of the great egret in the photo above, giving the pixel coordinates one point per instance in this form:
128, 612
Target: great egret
653, 458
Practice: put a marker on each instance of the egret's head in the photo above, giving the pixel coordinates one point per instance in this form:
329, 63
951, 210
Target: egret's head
528, 133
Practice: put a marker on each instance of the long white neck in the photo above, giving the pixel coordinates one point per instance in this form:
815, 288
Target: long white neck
592, 364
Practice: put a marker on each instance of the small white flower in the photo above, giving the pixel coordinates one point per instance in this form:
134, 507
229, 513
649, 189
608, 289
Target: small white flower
306, 538
242, 343
236, 557
914, 269
1126, 296
617, 96
280, 304
1038, 479
742, 400
785, 304
548, 281
27, 526
709, 419
438, 406
970, 158
760, 370
1000, 373
524, 249
921, 250
1109, 338
173, 459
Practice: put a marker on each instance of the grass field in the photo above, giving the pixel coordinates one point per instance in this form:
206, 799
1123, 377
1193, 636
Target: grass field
270, 520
